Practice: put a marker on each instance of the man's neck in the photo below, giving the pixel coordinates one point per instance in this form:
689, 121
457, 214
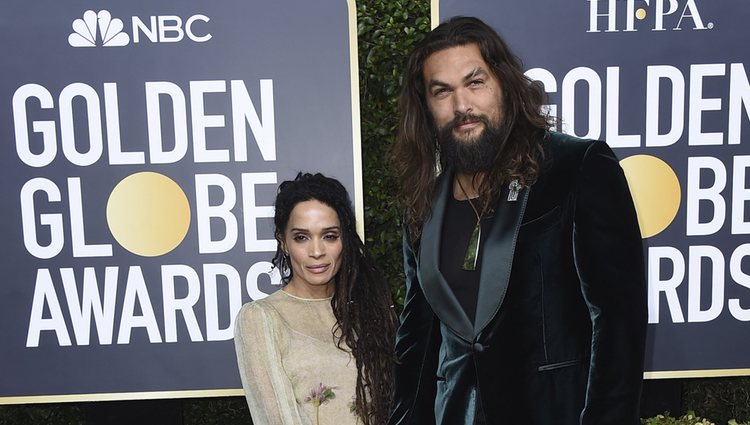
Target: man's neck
466, 185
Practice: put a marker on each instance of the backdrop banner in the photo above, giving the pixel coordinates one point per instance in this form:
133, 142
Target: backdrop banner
141, 144
664, 82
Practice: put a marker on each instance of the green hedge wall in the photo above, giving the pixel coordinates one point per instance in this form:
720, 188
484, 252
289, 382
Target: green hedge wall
387, 30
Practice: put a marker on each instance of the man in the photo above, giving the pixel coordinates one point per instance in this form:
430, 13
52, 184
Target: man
525, 293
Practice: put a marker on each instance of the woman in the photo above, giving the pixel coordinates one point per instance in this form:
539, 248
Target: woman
320, 350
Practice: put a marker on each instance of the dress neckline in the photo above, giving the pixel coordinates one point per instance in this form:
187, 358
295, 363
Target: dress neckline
305, 299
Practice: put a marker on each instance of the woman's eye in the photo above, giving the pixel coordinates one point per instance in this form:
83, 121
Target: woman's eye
331, 236
299, 238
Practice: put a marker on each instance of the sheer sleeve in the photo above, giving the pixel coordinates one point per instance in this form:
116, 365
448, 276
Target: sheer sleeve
259, 345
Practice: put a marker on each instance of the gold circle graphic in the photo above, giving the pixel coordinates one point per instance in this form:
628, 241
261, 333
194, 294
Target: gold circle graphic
148, 214
656, 192
640, 14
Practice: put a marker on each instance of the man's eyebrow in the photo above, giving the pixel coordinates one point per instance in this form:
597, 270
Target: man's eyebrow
433, 83
476, 72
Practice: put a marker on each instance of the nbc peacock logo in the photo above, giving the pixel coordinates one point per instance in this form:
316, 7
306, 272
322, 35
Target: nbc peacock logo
98, 29
101, 29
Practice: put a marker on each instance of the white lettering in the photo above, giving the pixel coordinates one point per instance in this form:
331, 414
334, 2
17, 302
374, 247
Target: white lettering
550, 86
222, 211
594, 84
21, 126
254, 273
699, 104
716, 281
77, 233
660, 13
201, 121
614, 138
157, 154
712, 194
44, 292
53, 221
149, 31
740, 195
243, 110
739, 97
610, 14
694, 15
136, 291
654, 75
112, 116
169, 273
742, 278
91, 302
67, 130
668, 286
170, 24
211, 272
252, 212
189, 28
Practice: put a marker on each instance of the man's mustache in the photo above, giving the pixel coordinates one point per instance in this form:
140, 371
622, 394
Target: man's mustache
461, 119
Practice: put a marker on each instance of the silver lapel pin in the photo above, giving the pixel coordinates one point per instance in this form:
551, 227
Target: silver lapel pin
514, 188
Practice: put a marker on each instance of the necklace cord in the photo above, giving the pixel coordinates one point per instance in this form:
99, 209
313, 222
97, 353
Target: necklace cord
474, 208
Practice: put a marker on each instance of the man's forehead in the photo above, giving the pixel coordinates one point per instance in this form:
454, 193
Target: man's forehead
455, 62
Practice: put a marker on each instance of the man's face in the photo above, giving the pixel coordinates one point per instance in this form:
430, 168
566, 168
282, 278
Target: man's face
463, 95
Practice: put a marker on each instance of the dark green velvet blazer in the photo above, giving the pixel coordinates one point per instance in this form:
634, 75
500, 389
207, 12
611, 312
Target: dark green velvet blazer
560, 328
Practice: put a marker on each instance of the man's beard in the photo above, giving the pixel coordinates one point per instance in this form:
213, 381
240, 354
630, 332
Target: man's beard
470, 156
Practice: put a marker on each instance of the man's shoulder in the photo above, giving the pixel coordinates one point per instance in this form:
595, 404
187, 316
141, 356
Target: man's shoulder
561, 142
560, 147
565, 154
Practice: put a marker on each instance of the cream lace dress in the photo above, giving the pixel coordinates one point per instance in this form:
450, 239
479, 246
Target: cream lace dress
285, 349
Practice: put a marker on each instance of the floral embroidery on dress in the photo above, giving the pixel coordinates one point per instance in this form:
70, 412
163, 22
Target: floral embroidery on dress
318, 396
353, 406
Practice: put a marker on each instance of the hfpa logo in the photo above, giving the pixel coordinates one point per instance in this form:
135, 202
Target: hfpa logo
665, 15
100, 29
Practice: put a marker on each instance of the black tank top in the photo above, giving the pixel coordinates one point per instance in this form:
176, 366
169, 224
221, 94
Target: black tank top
458, 224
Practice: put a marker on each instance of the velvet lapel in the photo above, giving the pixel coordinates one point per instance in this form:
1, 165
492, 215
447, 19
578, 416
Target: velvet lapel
497, 256
434, 286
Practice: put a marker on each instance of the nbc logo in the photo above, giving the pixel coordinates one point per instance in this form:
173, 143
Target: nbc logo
101, 29
85, 30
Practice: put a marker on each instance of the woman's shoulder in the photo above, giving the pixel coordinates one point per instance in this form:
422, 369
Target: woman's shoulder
284, 310
262, 308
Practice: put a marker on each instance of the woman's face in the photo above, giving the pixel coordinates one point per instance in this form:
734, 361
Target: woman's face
312, 239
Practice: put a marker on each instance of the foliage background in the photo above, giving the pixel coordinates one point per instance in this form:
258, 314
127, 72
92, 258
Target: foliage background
387, 30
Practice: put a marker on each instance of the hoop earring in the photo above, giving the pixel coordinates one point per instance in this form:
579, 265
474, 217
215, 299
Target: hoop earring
285, 266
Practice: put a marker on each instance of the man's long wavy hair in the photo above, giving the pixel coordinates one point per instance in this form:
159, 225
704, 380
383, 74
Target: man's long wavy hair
416, 152
362, 303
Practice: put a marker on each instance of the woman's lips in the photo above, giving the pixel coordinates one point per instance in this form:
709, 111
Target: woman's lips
318, 268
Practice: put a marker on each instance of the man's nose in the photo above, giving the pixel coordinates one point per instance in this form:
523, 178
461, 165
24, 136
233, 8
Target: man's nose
461, 102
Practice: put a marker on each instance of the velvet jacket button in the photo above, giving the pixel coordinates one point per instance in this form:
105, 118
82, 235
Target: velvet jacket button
478, 348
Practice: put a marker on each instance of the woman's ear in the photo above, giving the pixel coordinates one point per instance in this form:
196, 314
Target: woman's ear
282, 245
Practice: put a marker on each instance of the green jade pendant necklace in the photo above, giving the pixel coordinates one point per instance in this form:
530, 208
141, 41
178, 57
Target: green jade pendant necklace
472, 251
